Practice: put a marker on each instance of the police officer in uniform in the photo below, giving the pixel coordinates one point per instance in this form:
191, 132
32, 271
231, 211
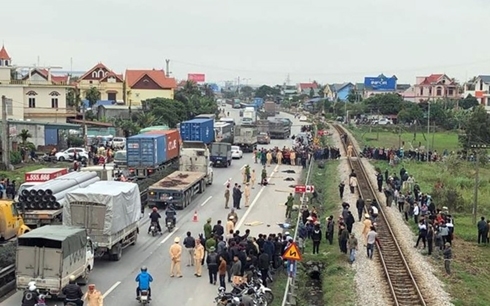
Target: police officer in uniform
72, 292
31, 296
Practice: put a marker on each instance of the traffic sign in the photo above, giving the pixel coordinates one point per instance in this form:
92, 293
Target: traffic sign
300, 189
292, 252
310, 188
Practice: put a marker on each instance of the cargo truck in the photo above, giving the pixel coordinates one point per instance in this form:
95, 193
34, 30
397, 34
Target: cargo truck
50, 255
246, 137
200, 129
250, 114
36, 177
279, 129
220, 154
179, 188
270, 108
109, 211
152, 152
263, 126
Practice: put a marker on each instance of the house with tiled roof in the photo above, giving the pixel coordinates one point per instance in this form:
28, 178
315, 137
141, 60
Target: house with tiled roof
479, 87
306, 88
435, 86
109, 83
36, 95
148, 84
341, 90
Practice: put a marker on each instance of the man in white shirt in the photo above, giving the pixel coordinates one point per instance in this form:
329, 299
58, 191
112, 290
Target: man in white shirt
416, 213
371, 240
375, 212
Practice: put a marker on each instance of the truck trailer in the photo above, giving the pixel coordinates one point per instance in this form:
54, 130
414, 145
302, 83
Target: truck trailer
109, 211
246, 137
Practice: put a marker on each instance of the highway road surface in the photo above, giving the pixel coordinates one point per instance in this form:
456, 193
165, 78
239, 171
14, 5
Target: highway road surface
116, 279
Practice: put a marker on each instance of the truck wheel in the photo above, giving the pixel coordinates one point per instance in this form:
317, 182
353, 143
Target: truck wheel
84, 278
118, 255
135, 235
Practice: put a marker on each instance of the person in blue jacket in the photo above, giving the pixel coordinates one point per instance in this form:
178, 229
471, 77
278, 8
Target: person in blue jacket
143, 279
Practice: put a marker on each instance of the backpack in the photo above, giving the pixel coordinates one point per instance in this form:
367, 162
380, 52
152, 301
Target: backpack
189, 242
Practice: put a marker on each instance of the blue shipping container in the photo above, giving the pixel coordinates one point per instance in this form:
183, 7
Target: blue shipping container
197, 130
146, 150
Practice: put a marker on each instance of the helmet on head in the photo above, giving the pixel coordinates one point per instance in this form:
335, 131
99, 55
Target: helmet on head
72, 278
155, 209
32, 288
33, 283
144, 269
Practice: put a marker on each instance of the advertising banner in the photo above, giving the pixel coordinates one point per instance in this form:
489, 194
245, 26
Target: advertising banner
196, 77
380, 84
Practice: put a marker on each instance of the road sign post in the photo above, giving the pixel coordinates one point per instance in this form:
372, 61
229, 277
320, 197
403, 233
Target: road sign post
292, 268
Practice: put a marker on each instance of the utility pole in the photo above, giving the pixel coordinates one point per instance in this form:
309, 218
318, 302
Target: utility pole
84, 126
167, 67
5, 135
238, 84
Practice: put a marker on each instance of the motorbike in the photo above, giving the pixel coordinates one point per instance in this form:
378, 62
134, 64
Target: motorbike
144, 298
226, 299
153, 229
170, 224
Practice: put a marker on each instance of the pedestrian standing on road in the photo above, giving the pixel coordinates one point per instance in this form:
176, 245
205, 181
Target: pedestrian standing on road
371, 240
422, 233
234, 215
208, 230
253, 177
175, 257
230, 225
236, 268
227, 195
237, 197
343, 238
246, 193
218, 229
268, 156
482, 227
352, 184
292, 157
379, 179
352, 245
279, 157
330, 229
222, 268
264, 262
448, 256
212, 262
367, 227
198, 257
316, 238
93, 297
190, 244
360, 207
349, 221
416, 213
289, 205
341, 189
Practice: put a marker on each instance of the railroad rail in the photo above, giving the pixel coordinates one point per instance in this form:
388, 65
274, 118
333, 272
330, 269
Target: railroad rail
402, 284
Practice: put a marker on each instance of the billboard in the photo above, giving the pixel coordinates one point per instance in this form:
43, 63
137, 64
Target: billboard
196, 77
380, 83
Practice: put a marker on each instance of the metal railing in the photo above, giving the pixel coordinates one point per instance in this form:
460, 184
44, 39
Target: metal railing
7, 280
289, 295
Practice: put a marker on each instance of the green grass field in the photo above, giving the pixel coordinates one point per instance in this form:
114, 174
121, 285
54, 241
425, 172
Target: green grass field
389, 138
19, 173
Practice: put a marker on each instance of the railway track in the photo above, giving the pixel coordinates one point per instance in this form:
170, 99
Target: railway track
402, 284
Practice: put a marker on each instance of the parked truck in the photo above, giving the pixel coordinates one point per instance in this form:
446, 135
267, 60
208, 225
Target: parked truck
179, 188
270, 108
109, 211
199, 129
50, 255
11, 222
151, 152
37, 177
220, 154
279, 129
246, 137
250, 115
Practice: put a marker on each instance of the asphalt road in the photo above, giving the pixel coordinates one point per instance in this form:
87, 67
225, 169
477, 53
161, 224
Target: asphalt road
116, 279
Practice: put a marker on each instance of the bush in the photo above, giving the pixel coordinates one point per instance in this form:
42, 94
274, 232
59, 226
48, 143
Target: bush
450, 198
7, 255
15, 157
75, 141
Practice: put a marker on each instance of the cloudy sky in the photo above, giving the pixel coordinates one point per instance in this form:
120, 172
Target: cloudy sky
260, 41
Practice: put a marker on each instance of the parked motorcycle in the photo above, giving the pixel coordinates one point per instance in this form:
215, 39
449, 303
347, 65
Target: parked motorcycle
144, 297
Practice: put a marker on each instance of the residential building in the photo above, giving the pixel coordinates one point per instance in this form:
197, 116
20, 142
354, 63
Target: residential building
116, 111
109, 83
341, 91
148, 84
435, 86
39, 95
306, 88
480, 89
409, 94
328, 93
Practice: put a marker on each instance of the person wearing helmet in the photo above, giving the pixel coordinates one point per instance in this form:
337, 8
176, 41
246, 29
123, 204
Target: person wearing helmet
72, 292
143, 279
154, 217
31, 296
170, 214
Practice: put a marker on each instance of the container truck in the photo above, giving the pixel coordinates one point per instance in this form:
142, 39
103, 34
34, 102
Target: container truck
246, 137
152, 152
270, 108
179, 188
200, 129
279, 129
220, 154
109, 211
50, 255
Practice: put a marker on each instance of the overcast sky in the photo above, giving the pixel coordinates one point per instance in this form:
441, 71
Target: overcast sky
261, 40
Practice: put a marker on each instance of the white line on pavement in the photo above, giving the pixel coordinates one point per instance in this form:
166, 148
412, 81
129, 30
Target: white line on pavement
242, 219
207, 200
168, 236
111, 289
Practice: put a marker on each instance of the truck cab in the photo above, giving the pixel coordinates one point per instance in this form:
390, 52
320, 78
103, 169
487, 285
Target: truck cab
220, 154
11, 222
195, 157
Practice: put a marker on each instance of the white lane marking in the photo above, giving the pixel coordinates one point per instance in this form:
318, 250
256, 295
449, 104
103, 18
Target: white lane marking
169, 235
207, 200
242, 219
111, 289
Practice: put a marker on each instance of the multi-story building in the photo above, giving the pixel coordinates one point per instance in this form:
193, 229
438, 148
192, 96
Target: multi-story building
108, 83
148, 84
435, 86
38, 95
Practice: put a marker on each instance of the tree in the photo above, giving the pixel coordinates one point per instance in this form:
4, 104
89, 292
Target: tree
386, 104
247, 91
312, 93
24, 135
73, 97
354, 96
410, 112
477, 129
265, 90
92, 95
468, 102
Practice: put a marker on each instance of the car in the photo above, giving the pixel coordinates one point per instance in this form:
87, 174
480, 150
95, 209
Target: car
383, 121
236, 152
303, 118
118, 142
68, 154
263, 138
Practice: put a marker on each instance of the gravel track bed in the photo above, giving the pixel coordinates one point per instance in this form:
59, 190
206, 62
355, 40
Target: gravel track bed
431, 287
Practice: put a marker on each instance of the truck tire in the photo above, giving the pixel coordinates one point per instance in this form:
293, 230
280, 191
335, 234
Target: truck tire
118, 255
84, 278
135, 239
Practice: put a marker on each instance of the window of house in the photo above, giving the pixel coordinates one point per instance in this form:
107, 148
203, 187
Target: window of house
438, 92
111, 96
430, 91
54, 102
421, 91
10, 107
32, 102
450, 92
6, 62
481, 85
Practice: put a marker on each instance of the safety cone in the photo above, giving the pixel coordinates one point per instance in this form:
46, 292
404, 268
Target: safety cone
194, 218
